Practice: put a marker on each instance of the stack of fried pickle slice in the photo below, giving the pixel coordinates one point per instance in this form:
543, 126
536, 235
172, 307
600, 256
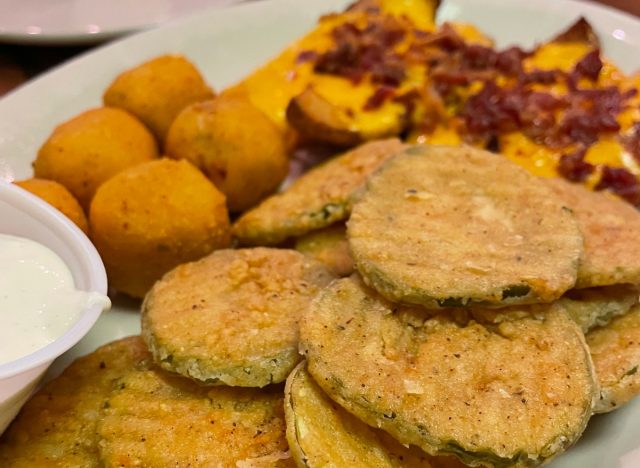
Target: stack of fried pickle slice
490, 314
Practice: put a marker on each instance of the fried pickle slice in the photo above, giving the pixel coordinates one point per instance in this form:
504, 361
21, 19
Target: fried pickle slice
596, 307
515, 393
321, 433
154, 419
329, 246
589, 308
57, 427
232, 317
610, 229
316, 200
455, 226
615, 350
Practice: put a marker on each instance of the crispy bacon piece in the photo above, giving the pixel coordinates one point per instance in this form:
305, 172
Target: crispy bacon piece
541, 77
588, 67
492, 111
509, 61
495, 110
380, 95
307, 56
621, 182
632, 141
358, 52
591, 113
573, 167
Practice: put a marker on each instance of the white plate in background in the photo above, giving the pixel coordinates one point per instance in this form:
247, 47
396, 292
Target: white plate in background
87, 21
228, 44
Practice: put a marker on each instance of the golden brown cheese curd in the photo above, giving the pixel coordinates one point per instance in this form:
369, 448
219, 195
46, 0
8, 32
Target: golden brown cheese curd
152, 217
59, 197
235, 145
88, 149
157, 90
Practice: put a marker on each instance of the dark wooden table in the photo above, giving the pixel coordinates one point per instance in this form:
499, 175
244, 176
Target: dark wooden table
20, 63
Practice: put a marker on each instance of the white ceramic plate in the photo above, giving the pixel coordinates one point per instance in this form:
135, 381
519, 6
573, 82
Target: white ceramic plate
87, 21
227, 45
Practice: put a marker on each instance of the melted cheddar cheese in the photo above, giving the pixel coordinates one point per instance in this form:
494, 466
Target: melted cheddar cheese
271, 87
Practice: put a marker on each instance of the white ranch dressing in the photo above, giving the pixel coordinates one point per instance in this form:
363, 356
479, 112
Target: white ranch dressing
38, 297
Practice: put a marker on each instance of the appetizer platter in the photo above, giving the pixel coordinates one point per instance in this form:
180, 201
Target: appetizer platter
377, 234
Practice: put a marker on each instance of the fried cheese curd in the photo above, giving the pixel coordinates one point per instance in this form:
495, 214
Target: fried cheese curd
322, 433
513, 393
152, 217
235, 145
90, 148
447, 226
57, 427
157, 90
615, 350
59, 197
317, 199
232, 317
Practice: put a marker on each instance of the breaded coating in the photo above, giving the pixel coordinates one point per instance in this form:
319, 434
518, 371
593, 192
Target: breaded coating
152, 217
232, 317
59, 197
596, 307
515, 393
153, 419
321, 433
57, 427
329, 246
316, 200
238, 147
615, 349
445, 226
610, 229
88, 149
588, 308
157, 90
